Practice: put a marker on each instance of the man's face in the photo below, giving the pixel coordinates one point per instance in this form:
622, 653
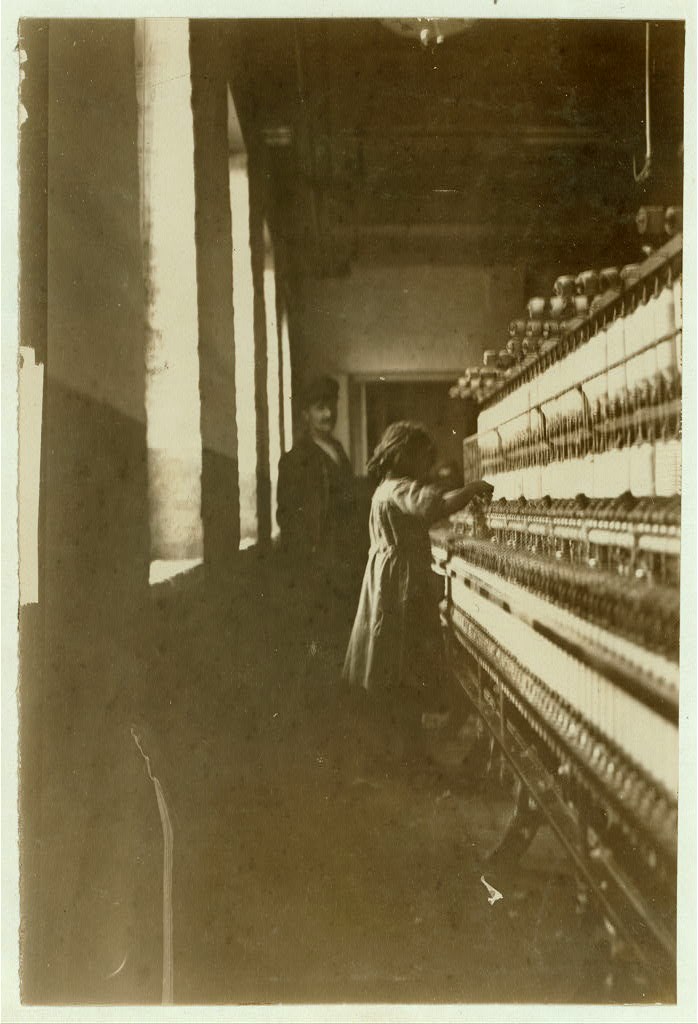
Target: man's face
321, 417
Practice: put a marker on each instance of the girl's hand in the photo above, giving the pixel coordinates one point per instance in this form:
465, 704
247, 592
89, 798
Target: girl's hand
454, 501
481, 489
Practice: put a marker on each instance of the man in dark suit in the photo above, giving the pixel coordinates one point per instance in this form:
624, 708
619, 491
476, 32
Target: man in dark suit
315, 486
316, 512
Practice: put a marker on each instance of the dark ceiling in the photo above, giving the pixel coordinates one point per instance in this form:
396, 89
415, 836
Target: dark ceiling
511, 141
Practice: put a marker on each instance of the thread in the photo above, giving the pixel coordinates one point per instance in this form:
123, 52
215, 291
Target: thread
167, 875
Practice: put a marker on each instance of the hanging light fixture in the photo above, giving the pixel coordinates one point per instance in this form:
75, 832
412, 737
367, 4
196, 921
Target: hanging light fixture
429, 31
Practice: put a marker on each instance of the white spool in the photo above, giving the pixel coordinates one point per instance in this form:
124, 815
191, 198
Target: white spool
677, 289
614, 474
642, 470
667, 467
615, 338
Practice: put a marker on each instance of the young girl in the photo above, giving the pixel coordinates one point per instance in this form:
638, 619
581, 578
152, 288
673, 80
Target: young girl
395, 645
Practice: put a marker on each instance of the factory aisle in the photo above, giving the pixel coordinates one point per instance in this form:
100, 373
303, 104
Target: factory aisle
311, 861
310, 864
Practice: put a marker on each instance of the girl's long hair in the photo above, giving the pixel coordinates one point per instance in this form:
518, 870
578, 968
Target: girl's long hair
399, 449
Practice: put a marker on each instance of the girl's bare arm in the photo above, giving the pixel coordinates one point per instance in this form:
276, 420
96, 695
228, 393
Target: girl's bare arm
453, 501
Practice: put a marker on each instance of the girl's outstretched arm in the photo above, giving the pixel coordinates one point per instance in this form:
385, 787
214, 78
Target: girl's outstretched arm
453, 501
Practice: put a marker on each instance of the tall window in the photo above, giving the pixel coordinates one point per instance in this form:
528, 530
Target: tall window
243, 321
173, 410
273, 388
253, 422
286, 409
31, 398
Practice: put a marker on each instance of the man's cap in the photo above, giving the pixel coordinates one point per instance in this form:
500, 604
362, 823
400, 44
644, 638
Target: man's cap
320, 389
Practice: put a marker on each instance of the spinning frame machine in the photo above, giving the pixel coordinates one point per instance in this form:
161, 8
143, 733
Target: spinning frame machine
561, 597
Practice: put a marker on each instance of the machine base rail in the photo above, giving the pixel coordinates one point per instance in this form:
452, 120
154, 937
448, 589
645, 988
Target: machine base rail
619, 900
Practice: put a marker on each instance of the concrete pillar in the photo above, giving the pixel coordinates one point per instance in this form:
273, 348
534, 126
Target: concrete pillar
210, 64
94, 558
94, 434
166, 157
274, 383
286, 380
259, 246
33, 196
245, 369
33, 250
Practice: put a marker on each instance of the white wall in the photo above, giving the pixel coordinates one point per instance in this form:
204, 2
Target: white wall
408, 319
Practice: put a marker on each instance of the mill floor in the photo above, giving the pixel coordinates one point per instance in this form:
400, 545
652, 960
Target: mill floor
315, 857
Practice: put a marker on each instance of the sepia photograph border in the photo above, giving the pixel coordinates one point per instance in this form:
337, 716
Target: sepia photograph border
12, 1009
